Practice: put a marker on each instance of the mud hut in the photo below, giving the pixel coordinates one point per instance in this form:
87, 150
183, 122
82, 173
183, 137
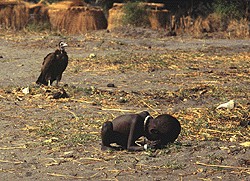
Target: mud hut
38, 13
157, 15
115, 17
18, 14
13, 14
72, 18
158, 19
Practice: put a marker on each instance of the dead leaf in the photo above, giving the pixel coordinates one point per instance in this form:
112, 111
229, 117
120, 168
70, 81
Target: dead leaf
245, 144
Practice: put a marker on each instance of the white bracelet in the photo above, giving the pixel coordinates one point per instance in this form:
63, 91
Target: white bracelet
145, 147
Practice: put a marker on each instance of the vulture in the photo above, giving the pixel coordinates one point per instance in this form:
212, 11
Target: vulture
53, 66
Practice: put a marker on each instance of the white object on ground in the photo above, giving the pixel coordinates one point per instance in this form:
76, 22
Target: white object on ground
228, 105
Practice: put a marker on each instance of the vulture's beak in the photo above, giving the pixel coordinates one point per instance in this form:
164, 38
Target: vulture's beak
64, 44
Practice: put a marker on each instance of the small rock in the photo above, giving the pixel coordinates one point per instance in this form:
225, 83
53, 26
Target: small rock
1, 56
92, 55
244, 123
60, 94
48, 90
122, 100
243, 162
28, 174
110, 85
68, 154
8, 91
228, 105
26, 90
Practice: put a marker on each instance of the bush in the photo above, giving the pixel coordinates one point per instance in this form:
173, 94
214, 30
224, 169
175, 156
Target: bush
38, 26
135, 14
229, 9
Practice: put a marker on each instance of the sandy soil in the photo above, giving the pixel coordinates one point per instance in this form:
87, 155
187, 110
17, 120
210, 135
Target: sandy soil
58, 139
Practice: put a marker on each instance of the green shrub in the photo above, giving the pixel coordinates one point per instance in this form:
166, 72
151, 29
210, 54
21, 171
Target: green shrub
135, 14
229, 9
38, 26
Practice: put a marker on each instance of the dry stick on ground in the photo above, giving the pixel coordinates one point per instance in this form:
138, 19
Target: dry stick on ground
121, 171
14, 147
65, 176
71, 177
14, 162
217, 131
120, 110
90, 160
73, 114
150, 107
247, 170
82, 101
222, 132
9, 171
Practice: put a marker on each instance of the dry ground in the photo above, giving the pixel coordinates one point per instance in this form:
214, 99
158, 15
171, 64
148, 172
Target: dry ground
58, 139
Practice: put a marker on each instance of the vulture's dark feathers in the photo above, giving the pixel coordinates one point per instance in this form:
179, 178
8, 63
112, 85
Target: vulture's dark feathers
53, 66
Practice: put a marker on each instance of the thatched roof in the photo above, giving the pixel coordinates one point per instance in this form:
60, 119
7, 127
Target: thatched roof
66, 4
74, 17
157, 16
68, 16
9, 2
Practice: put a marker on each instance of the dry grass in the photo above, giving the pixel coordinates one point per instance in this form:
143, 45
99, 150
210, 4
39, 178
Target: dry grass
66, 4
199, 123
157, 19
76, 17
18, 15
15, 17
213, 23
66, 132
77, 20
238, 29
72, 17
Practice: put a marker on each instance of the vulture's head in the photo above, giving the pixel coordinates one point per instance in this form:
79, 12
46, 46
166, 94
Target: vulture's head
62, 45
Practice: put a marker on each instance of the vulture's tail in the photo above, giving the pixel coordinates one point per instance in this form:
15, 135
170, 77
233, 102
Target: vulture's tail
41, 80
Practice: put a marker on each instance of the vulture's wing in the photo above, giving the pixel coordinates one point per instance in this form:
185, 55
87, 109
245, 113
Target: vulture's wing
48, 61
45, 58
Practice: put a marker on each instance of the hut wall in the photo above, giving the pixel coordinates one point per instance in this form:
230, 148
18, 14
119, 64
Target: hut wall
158, 18
76, 20
13, 15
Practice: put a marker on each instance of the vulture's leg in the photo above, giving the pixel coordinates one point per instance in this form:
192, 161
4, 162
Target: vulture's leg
58, 78
49, 83
57, 82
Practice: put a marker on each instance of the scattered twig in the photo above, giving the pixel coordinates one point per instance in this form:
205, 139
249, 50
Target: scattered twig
118, 172
65, 176
120, 110
150, 107
14, 147
55, 162
9, 171
224, 166
82, 101
14, 162
217, 131
2, 97
76, 117
205, 179
89, 161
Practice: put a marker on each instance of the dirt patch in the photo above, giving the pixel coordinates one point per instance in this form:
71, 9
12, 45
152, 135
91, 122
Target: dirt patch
53, 139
